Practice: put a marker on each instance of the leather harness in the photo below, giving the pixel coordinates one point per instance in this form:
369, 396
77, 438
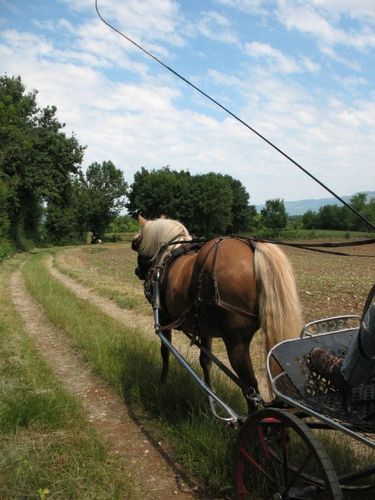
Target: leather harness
156, 279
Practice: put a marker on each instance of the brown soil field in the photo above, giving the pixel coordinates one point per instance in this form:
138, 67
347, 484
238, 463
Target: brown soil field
328, 284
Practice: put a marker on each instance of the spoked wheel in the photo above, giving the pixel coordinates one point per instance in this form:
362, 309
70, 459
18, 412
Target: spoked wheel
277, 457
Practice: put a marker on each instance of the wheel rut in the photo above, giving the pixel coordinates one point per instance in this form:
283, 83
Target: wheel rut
105, 409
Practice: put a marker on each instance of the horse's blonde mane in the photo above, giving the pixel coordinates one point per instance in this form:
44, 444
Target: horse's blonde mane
159, 231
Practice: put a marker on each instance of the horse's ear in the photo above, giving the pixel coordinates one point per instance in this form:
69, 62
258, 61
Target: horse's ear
141, 220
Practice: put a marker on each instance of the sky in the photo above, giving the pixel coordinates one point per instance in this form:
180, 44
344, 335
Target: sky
300, 72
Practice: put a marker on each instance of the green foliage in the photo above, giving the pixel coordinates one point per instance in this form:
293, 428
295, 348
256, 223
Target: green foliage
341, 218
123, 224
207, 203
102, 195
36, 161
243, 214
274, 215
159, 192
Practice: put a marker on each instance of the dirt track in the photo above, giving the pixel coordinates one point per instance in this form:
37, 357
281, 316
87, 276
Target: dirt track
106, 411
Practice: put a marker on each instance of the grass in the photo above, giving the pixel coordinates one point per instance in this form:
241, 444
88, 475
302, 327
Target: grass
105, 268
131, 363
46, 447
177, 412
290, 233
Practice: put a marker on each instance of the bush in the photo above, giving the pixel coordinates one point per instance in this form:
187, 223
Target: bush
6, 249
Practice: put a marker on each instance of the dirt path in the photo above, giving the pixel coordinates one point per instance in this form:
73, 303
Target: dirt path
144, 323
126, 316
105, 409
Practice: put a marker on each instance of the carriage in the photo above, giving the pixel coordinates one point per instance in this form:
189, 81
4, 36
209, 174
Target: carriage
277, 452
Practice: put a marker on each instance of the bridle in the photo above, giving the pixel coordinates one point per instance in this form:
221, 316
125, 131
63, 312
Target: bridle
144, 263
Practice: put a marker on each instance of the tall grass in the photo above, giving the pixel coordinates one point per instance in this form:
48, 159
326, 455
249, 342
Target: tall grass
46, 447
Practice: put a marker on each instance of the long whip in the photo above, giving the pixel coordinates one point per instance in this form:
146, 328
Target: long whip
171, 70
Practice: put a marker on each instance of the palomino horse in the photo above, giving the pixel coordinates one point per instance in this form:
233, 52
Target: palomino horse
228, 289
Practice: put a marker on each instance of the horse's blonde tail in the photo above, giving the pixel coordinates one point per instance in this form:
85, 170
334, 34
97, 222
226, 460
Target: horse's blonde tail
279, 307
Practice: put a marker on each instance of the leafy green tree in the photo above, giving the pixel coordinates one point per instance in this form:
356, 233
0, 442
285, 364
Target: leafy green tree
333, 217
4, 220
242, 213
159, 192
370, 211
5, 247
207, 204
102, 195
359, 203
274, 215
36, 159
309, 219
210, 208
124, 224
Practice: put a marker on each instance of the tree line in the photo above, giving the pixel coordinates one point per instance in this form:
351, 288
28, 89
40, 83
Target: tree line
47, 198
340, 217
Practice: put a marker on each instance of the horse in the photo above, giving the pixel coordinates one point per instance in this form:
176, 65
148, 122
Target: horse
228, 287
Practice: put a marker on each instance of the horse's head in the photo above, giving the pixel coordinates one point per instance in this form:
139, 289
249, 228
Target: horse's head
143, 262
154, 234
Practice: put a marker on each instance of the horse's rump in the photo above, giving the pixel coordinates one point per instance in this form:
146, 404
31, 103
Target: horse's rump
219, 281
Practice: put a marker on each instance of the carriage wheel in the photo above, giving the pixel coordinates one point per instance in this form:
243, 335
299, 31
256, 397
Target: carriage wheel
278, 457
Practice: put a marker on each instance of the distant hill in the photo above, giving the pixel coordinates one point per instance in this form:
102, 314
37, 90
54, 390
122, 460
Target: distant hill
301, 206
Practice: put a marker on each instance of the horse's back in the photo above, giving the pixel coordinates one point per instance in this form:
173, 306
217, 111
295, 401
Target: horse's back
226, 266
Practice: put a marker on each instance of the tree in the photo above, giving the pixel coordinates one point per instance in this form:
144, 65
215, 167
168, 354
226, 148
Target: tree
124, 224
206, 204
242, 213
333, 217
102, 195
359, 203
210, 204
36, 159
274, 215
309, 219
158, 192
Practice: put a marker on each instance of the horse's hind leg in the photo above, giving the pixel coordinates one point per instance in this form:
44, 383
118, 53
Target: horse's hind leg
205, 360
165, 355
239, 357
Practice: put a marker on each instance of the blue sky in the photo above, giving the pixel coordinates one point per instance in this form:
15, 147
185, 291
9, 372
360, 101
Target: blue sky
302, 73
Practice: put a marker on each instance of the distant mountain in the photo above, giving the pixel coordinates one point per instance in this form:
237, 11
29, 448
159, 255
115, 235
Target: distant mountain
301, 206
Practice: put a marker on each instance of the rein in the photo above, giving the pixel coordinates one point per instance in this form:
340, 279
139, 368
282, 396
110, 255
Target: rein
158, 269
318, 247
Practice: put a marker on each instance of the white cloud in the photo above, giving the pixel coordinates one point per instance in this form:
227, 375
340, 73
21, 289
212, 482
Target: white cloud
139, 116
146, 19
248, 6
322, 21
360, 9
278, 62
217, 27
